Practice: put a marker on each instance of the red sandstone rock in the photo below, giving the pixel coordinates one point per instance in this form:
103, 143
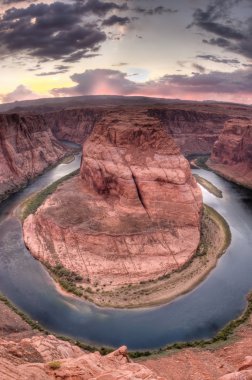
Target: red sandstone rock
232, 153
64, 361
27, 148
73, 124
134, 211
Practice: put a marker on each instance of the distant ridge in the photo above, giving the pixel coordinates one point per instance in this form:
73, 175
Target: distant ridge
52, 104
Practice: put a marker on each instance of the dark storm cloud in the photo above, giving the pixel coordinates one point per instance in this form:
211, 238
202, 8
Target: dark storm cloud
231, 34
56, 31
116, 20
214, 58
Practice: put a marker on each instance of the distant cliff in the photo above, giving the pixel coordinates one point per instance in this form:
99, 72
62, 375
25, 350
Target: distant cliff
27, 148
193, 131
73, 124
232, 152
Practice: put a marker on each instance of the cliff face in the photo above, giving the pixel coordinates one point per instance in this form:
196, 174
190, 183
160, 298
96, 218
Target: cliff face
232, 153
73, 124
135, 209
27, 148
194, 132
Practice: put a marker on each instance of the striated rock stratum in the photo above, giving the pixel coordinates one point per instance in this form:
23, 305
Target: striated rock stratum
232, 153
132, 215
27, 148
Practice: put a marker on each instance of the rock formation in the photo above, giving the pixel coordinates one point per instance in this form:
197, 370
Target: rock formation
73, 124
132, 215
47, 358
27, 148
194, 131
232, 153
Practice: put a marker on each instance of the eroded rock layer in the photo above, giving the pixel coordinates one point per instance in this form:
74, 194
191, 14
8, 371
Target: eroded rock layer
27, 148
232, 153
194, 131
132, 215
73, 124
47, 358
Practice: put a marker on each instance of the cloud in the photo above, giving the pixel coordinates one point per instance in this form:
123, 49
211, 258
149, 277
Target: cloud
99, 81
59, 30
116, 20
155, 11
198, 67
120, 64
11, 2
201, 85
216, 59
231, 34
20, 93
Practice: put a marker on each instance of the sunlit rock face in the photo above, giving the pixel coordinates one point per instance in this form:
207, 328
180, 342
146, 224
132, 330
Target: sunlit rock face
132, 215
27, 148
232, 153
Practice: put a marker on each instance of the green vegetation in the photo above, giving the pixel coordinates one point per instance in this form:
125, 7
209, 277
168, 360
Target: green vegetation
66, 278
33, 203
34, 325
208, 186
54, 365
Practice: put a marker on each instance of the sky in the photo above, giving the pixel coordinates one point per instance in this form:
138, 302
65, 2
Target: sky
187, 49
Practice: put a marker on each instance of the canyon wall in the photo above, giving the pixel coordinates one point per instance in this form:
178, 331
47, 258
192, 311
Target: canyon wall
135, 208
27, 148
194, 131
73, 124
232, 153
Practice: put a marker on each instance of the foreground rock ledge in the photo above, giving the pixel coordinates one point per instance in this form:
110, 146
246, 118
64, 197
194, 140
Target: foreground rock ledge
132, 215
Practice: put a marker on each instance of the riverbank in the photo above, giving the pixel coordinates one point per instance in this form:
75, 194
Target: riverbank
234, 174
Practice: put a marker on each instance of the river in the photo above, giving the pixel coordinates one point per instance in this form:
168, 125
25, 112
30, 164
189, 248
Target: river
197, 315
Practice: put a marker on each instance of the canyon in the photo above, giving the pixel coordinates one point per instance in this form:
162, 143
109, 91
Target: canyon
232, 152
31, 137
135, 198
135, 207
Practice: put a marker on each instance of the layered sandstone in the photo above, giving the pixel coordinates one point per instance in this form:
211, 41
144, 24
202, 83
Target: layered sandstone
27, 148
75, 124
47, 358
132, 215
194, 131
232, 153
